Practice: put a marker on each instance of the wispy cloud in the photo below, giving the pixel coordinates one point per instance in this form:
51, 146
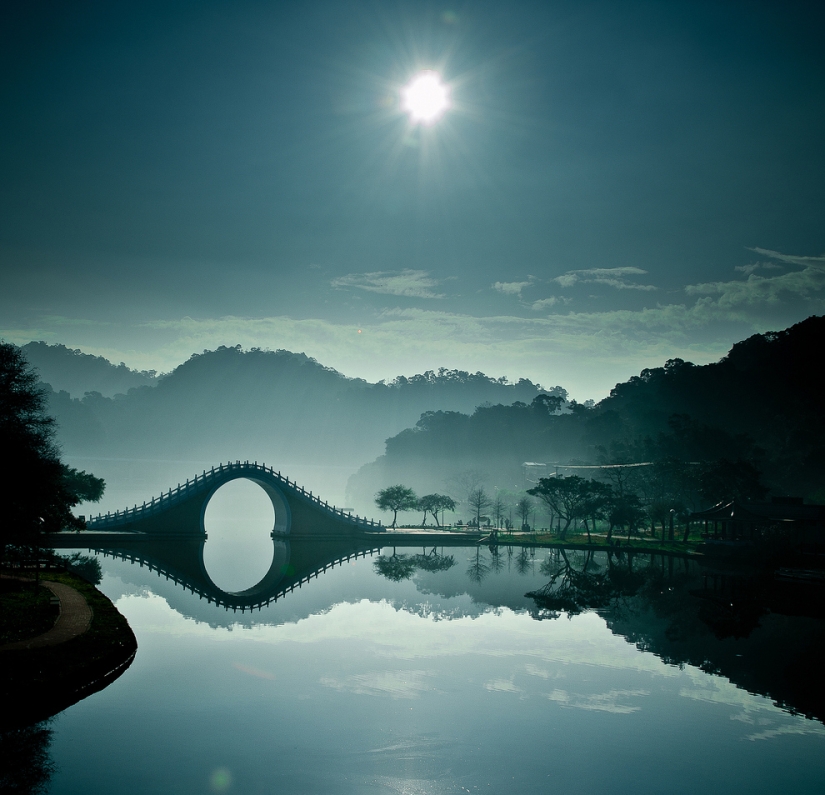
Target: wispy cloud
408, 283
599, 702
395, 684
758, 289
755, 266
612, 277
511, 288
793, 259
546, 303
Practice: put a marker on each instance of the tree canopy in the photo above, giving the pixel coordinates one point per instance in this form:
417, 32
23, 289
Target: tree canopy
433, 503
396, 498
37, 491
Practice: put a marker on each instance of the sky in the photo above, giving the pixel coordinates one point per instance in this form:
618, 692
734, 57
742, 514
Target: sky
612, 185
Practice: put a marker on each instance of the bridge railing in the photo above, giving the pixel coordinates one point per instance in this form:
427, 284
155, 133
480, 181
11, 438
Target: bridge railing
205, 480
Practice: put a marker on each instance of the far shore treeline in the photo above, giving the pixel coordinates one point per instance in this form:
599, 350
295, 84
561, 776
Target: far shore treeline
749, 425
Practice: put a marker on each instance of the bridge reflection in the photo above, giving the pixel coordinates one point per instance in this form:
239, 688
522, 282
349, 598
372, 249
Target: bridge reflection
167, 535
180, 559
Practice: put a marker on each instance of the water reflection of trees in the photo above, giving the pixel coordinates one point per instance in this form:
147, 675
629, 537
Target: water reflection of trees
749, 627
577, 582
478, 568
397, 567
26, 765
524, 560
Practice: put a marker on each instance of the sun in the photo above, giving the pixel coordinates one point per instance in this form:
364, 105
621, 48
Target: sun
425, 97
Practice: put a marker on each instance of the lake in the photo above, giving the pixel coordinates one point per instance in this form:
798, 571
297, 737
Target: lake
438, 668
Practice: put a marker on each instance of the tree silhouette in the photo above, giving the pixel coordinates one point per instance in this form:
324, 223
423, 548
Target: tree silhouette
499, 506
37, 492
478, 500
433, 503
395, 499
523, 508
568, 498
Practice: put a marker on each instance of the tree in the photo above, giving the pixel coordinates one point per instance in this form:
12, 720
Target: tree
594, 504
567, 497
478, 500
624, 510
727, 480
37, 491
433, 503
395, 499
499, 507
523, 508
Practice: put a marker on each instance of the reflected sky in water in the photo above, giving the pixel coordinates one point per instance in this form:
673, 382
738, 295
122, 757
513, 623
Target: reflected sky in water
438, 683
238, 522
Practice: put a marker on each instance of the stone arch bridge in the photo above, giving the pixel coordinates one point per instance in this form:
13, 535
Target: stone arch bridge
181, 510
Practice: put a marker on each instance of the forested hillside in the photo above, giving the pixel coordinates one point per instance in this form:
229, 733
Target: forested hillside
275, 406
761, 404
75, 372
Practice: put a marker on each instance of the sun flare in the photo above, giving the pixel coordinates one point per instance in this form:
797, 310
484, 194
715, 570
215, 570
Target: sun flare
425, 97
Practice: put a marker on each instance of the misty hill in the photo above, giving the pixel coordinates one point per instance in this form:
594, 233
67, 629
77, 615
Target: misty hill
275, 406
76, 372
761, 403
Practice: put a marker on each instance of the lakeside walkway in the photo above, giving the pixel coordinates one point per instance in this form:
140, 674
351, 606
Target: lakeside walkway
75, 618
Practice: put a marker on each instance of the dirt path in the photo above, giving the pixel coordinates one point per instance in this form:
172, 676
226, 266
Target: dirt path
74, 619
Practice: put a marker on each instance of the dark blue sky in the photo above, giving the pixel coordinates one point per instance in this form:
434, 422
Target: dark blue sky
615, 184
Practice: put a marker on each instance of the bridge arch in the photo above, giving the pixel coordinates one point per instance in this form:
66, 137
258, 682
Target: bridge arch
283, 514
181, 510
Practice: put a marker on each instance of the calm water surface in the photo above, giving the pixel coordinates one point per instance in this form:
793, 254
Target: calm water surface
430, 670
446, 681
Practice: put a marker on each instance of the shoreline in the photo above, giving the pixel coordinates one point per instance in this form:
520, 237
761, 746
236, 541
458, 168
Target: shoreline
51, 678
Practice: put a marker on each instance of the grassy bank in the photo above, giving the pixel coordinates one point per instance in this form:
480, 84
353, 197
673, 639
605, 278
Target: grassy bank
26, 610
46, 680
573, 540
637, 544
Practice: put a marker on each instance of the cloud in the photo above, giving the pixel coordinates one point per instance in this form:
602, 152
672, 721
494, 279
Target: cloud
408, 283
612, 277
395, 684
502, 686
599, 702
546, 303
792, 259
756, 289
511, 288
755, 266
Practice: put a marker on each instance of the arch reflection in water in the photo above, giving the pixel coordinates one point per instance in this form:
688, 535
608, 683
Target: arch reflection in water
239, 520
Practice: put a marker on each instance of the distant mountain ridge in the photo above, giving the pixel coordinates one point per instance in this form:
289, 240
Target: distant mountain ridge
75, 372
266, 405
